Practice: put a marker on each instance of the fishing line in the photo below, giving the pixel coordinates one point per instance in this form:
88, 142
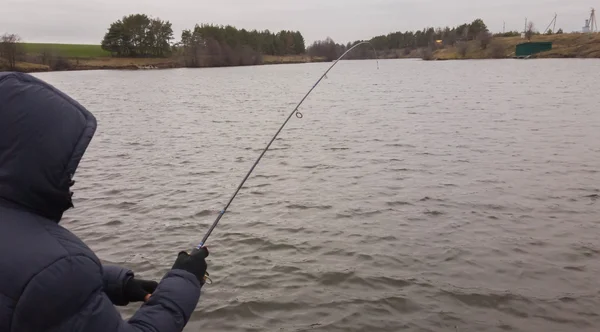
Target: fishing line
298, 115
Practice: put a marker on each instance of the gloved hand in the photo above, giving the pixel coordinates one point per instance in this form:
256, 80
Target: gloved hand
138, 290
194, 263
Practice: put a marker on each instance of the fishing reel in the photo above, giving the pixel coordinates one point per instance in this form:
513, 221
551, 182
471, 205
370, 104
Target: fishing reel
207, 279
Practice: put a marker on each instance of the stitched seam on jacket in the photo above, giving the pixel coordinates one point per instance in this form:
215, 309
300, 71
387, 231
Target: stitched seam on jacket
42, 270
13, 312
66, 255
91, 297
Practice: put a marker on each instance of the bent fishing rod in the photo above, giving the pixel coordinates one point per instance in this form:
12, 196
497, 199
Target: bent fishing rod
299, 115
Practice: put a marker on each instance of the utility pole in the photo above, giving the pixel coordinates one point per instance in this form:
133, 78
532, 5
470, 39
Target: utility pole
591, 25
551, 22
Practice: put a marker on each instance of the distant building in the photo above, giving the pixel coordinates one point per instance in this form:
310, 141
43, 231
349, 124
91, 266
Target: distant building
586, 28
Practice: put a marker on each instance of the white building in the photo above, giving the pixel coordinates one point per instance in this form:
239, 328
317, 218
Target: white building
586, 28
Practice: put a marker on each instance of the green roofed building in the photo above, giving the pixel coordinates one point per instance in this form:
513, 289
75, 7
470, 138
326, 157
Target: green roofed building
526, 49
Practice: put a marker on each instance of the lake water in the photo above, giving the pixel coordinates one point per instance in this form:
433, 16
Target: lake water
423, 196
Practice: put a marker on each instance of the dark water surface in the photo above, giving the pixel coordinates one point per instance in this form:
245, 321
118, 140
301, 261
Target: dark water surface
424, 196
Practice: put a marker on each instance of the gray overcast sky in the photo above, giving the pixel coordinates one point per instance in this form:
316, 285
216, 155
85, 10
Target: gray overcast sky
86, 21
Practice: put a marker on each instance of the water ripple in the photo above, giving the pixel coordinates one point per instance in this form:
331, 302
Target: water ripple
446, 196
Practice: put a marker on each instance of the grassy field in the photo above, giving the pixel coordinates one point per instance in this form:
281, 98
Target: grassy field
576, 45
67, 50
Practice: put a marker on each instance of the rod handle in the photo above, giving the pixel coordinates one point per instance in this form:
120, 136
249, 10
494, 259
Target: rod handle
203, 251
200, 251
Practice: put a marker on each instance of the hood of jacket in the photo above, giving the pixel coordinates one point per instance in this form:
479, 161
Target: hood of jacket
43, 136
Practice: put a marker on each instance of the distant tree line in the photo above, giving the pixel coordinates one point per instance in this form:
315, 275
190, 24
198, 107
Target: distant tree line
427, 37
206, 45
266, 42
508, 34
409, 40
211, 45
202, 50
527, 32
424, 41
139, 36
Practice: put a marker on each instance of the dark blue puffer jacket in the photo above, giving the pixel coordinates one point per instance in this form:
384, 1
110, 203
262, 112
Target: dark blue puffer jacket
49, 279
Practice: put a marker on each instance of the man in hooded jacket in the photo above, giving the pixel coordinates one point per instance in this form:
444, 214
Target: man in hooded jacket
50, 281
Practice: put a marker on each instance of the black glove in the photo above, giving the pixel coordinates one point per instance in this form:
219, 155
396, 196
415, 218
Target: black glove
136, 290
194, 263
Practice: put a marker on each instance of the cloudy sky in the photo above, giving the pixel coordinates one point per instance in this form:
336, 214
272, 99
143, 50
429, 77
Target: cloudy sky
86, 21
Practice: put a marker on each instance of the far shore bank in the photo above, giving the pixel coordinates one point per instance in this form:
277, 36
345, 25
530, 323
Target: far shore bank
573, 45
115, 63
564, 46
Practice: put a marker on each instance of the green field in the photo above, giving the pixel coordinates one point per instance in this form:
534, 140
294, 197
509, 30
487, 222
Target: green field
67, 50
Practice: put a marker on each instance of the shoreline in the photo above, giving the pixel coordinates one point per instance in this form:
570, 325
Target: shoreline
25, 67
113, 63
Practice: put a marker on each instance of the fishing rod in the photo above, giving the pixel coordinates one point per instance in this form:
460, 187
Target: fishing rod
298, 115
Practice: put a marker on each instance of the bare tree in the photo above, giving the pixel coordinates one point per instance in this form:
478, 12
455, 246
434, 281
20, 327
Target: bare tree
46, 55
462, 48
60, 63
427, 53
229, 55
9, 48
215, 53
497, 49
530, 30
485, 38
324, 48
193, 49
248, 56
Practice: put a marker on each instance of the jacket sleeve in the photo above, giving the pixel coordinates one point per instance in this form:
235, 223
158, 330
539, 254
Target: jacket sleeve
168, 310
69, 296
114, 279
